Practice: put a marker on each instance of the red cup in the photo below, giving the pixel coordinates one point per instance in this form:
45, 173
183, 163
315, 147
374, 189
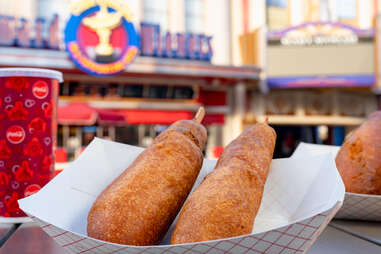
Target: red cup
28, 109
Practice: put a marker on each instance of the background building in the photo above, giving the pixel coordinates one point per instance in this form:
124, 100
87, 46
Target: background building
319, 67
309, 66
154, 91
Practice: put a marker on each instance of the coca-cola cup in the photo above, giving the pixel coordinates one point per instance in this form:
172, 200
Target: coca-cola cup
28, 127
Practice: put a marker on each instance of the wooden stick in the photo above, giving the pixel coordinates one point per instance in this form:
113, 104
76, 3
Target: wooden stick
199, 115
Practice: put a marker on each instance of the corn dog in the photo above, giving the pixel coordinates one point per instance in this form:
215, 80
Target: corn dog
138, 207
227, 201
359, 160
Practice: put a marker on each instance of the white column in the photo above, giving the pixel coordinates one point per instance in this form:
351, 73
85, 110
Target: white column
212, 141
100, 131
335, 110
141, 130
78, 135
217, 24
240, 108
65, 135
257, 17
332, 5
296, 12
237, 110
176, 19
47, 8
365, 13
299, 103
156, 12
236, 30
257, 20
112, 133
194, 16
19, 8
258, 104
136, 9
227, 128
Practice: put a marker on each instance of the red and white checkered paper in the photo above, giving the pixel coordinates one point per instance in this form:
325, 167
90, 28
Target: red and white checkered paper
300, 197
360, 207
295, 238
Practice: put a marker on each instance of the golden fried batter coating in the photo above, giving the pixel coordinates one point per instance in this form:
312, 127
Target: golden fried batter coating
227, 201
359, 158
138, 207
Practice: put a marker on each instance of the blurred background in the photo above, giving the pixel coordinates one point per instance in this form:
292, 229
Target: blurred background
310, 67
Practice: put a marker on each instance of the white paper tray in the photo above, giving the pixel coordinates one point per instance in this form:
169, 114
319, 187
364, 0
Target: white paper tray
355, 206
301, 196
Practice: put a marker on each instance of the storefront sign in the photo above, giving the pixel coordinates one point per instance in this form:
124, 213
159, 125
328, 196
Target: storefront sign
183, 46
365, 80
100, 38
318, 33
17, 32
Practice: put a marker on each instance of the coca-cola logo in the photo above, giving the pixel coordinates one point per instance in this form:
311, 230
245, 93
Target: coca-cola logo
15, 134
31, 189
40, 89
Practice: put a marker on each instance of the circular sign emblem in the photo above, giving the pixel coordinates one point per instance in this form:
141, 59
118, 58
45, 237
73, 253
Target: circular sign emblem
100, 38
40, 89
15, 134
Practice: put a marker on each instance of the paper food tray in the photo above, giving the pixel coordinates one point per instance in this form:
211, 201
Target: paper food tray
360, 207
355, 206
301, 196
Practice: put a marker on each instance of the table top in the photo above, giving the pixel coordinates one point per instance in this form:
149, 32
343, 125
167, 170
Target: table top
336, 241
363, 229
29, 238
339, 237
4, 228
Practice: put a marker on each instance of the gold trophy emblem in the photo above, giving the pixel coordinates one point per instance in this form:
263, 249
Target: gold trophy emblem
103, 23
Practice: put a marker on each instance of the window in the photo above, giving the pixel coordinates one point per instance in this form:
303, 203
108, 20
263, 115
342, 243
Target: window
94, 91
112, 91
156, 12
135, 91
77, 89
127, 134
61, 89
277, 14
194, 16
284, 13
158, 92
346, 9
311, 10
183, 93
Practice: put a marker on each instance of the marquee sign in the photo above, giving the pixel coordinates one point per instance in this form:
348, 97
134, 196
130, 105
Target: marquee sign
179, 45
318, 33
17, 32
100, 37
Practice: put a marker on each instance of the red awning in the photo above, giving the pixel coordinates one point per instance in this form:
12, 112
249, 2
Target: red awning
83, 114
145, 116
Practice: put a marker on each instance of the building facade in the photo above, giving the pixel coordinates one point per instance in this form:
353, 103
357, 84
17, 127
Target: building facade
159, 87
309, 67
319, 67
